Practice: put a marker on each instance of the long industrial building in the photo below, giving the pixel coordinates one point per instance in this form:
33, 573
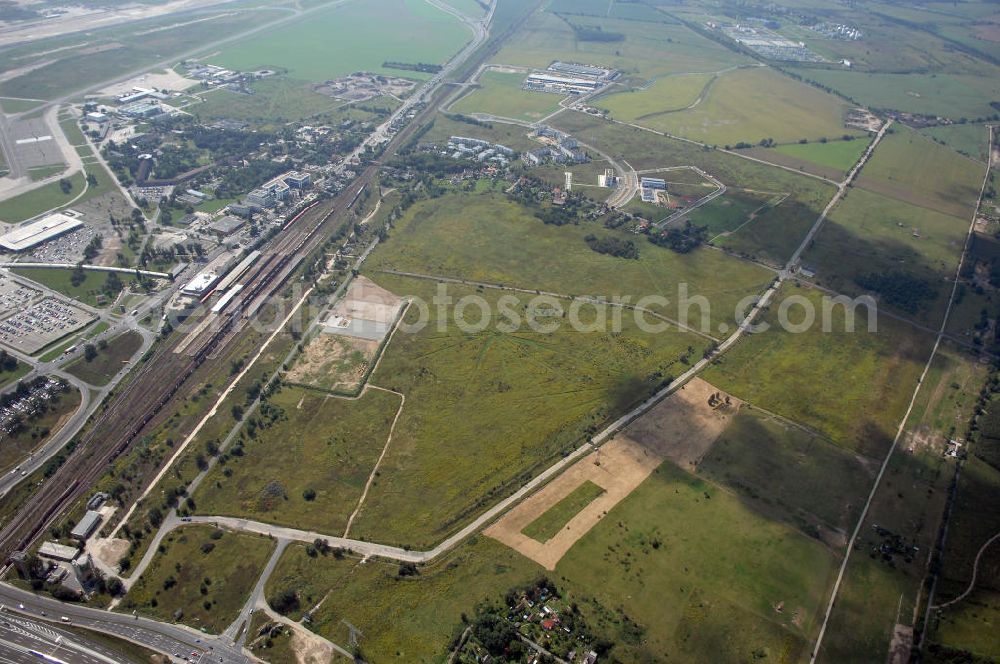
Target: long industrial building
561, 84
37, 232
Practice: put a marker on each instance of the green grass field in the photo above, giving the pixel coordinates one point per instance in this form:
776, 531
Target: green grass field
971, 140
549, 524
748, 105
871, 234
501, 94
664, 95
679, 569
911, 168
789, 473
109, 361
206, 579
949, 95
649, 50
275, 102
60, 280
119, 50
353, 37
839, 155
851, 386
42, 199
772, 237
502, 243
486, 410
338, 439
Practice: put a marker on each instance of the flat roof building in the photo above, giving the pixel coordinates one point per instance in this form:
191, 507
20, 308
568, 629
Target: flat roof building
57, 551
37, 232
653, 183
227, 225
200, 284
86, 526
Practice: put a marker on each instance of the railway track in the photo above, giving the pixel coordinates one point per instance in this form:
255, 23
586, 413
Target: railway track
139, 406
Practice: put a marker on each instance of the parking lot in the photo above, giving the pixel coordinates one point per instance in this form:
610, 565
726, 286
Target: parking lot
29, 330
14, 297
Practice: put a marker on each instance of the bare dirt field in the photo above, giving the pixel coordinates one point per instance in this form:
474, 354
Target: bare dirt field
681, 429
333, 362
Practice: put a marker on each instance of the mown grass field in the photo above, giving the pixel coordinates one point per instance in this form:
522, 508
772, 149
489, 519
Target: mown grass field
747, 105
500, 94
839, 155
549, 524
42, 199
60, 280
226, 568
109, 361
485, 410
664, 95
911, 168
851, 386
353, 37
320, 444
485, 237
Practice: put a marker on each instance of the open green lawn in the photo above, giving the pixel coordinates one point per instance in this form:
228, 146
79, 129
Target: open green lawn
59, 279
747, 105
851, 386
949, 95
15, 447
109, 361
840, 155
485, 237
41, 172
556, 517
727, 212
487, 410
318, 443
911, 168
699, 575
868, 234
356, 36
501, 94
971, 140
664, 95
42, 199
204, 576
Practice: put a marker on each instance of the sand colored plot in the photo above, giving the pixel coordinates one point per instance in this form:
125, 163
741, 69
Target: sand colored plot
333, 362
681, 428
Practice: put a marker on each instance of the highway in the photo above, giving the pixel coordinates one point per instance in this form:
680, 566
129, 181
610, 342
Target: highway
169, 639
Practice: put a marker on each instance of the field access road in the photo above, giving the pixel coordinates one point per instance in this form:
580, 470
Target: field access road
396, 553
162, 637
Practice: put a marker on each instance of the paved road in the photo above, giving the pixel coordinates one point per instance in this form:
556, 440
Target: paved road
161, 637
20, 635
92, 396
